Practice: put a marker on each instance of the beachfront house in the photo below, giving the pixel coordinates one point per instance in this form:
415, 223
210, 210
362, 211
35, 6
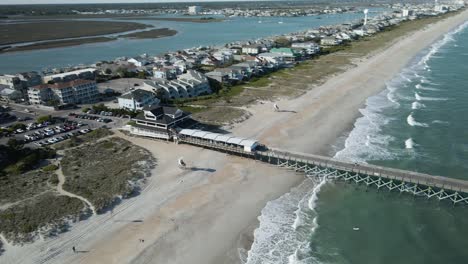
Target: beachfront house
251, 49
138, 62
226, 75
158, 121
137, 99
271, 60
289, 55
330, 41
310, 48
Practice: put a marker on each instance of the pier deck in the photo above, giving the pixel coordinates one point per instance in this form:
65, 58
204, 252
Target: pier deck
418, 184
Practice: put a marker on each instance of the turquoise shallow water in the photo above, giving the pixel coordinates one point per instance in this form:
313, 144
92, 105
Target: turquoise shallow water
419, 123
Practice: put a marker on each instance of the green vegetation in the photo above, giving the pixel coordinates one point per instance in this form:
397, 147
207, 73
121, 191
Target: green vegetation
42, 119
102, 171
14, 188
91, 137
16, 159
40, 30
155, 33
20, 222
57, 44
50, 168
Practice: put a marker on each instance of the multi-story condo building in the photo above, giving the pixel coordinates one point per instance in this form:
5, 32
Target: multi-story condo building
190, 84
73, 92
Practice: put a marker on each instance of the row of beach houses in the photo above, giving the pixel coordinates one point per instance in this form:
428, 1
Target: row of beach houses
193, 72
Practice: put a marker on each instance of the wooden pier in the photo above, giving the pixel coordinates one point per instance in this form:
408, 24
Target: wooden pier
418, 184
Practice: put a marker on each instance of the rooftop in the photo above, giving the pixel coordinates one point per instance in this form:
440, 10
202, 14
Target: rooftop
63, 85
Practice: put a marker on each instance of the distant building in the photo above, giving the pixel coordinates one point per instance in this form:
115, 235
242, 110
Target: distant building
330, 41
190, 84
9, 94
158, 121
194, 10
20, 83
251, 49
310, 48
11, 81
404, 12
167, 73
73, 92
138, 62
85, 74
137, 99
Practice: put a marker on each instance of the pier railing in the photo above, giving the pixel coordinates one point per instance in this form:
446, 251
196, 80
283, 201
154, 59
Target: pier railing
418, 184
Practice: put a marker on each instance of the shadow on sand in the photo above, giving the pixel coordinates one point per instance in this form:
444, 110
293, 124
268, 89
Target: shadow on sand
201, 169
287, 111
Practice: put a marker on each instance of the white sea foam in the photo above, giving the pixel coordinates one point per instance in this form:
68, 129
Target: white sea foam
286, 225
409, 143
449, 37
284, 231
417, 105
366, 141
440, 122
425, 98
410, 120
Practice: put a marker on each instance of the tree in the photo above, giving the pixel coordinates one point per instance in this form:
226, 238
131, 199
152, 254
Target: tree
282, 42
141, 75
15, 144
42, 119
18, 126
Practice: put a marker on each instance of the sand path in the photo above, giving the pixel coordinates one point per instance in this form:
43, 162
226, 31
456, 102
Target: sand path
60, 190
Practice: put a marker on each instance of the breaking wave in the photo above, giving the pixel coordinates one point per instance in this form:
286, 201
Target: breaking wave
410, 120
409, 143
286, 225
417, 105
424, 98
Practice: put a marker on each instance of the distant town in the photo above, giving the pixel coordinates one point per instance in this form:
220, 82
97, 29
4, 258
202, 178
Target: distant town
187, 74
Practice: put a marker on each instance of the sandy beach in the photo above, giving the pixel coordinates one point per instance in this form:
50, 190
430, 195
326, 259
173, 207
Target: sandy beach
205, 214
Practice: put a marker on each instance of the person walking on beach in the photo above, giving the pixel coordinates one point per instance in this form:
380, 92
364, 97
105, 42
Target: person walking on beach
276, 107
74, 249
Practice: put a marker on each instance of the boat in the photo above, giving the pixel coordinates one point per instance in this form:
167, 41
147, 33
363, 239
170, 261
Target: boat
356, 228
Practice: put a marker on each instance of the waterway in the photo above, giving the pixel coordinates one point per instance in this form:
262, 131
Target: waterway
418, 123
189, 35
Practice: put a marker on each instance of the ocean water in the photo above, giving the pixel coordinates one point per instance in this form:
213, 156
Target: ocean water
419, 123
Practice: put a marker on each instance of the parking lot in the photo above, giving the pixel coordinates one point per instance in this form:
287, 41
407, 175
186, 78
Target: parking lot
67, 123
46, 133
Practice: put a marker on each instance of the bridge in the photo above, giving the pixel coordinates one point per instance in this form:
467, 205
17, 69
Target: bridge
417, 184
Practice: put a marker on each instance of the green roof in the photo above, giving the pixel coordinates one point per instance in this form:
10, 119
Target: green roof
284, 50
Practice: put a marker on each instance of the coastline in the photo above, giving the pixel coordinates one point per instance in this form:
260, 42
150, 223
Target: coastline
335, 143
213, 207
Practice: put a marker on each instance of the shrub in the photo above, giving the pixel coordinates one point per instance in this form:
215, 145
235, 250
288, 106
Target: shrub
50, 168
42, 119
